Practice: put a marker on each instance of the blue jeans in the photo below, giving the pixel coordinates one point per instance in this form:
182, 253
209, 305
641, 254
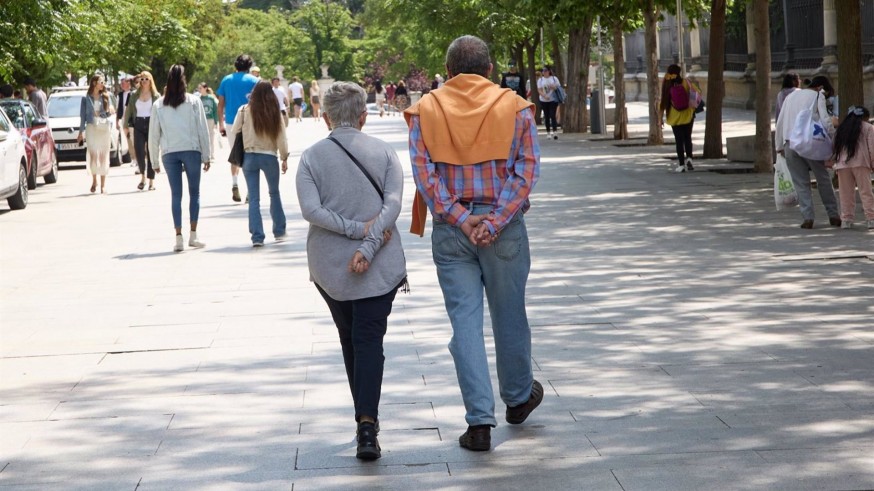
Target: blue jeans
253, 164
501, 269
174, 164
800, 169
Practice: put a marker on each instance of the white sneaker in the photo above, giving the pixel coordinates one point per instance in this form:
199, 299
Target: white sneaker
689, 166
680, 168
193, 242
846, 224
180, 244
548, 135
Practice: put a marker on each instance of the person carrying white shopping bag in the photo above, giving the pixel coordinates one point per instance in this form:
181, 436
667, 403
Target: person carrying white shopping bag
797, 147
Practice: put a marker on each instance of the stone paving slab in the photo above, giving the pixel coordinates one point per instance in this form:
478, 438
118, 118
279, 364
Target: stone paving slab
687, 334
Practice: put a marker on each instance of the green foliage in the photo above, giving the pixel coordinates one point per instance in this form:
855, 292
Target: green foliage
330, 28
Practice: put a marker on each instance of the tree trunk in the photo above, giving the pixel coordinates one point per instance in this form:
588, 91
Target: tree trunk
715, 82
531, 54
849, 55
651, 17
557, 62
574, 111
620, 123
764, 159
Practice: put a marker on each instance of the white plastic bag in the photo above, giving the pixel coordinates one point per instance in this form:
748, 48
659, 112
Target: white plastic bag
809, 137
784, 191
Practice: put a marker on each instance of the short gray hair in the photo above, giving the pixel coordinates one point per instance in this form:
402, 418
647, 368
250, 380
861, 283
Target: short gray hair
344, 102
468, 54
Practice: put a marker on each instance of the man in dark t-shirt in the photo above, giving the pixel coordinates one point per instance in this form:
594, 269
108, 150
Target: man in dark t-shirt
513, 80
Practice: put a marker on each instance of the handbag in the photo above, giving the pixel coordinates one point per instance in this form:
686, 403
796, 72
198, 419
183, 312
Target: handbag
237, 151
559, 94
809, 137
361, 167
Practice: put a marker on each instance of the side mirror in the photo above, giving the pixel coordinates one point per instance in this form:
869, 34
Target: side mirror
39, 122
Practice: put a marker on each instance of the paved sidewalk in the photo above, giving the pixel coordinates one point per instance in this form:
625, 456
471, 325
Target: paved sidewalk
688, 336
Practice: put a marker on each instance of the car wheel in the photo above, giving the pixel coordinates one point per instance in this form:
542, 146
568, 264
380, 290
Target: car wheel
18, 201
31, 178
52, 177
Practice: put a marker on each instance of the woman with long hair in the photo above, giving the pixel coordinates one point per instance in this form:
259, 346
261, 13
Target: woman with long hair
791, 83
379, 92
315, 96
854, 162
263, 135
679, 113
402, 99
95, 125
547, 84
136, 117
178, 134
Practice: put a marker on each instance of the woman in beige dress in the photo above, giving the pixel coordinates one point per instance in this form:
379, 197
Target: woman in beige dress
315, 96
95, 124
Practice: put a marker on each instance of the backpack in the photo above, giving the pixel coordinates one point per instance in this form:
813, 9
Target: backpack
679, 97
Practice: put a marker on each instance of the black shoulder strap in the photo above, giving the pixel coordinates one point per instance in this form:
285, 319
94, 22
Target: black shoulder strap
357, 163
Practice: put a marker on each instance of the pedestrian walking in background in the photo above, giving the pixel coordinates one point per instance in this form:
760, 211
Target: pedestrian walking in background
282, 97
178, 137
475, 160
390, 97
854, 162
296, 89
210, 109
137, 115
800, 167
123, 98
402, 99
233, 92
315, 102
791, 83
513, 80
263, 135
379, 94
95, 125
547, 84
36, 97
354, 251
677, 110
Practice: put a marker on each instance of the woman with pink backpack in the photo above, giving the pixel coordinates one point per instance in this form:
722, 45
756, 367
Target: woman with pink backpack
679, 100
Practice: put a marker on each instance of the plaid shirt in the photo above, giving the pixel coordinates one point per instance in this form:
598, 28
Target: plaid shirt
505, 184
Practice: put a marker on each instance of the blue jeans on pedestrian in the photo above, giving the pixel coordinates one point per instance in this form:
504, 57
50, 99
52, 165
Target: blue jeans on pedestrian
253, 165
362, 324
175, 163
501, 269
800, 169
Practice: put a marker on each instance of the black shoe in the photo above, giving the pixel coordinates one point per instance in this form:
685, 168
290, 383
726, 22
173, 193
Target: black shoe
368, 445
834, 221
477, 438
518, 415
235, 193
807, 224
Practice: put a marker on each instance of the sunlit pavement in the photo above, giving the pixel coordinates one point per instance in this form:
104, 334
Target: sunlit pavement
688, 336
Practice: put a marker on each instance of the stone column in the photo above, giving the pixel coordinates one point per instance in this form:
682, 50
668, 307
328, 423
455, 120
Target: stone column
751, 40
829, 34
695, 49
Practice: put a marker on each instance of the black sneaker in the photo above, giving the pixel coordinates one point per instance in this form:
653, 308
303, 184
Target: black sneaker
477, 438
518, 414
368, 445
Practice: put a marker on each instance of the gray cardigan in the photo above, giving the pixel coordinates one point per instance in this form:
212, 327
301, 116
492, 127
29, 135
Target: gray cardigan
337, 199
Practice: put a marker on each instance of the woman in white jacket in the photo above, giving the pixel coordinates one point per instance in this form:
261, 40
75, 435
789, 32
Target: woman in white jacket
178, 129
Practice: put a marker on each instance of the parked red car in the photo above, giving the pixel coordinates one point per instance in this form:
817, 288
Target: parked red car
42, 160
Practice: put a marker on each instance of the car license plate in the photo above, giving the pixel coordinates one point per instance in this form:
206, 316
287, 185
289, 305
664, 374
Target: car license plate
68, 146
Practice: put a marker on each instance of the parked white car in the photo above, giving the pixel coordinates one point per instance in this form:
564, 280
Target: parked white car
13, 165
63, 108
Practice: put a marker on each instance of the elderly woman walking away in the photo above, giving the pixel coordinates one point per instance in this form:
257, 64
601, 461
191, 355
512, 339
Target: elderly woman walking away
178, 133
350, 187
263, 134
95, 124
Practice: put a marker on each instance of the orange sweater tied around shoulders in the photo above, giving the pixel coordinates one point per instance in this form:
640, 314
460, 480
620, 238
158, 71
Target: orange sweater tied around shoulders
467, 121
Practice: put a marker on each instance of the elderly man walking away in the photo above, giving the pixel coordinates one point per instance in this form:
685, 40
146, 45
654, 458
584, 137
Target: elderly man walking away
475, 160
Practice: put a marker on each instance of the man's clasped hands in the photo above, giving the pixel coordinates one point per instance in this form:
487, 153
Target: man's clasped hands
474, 228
